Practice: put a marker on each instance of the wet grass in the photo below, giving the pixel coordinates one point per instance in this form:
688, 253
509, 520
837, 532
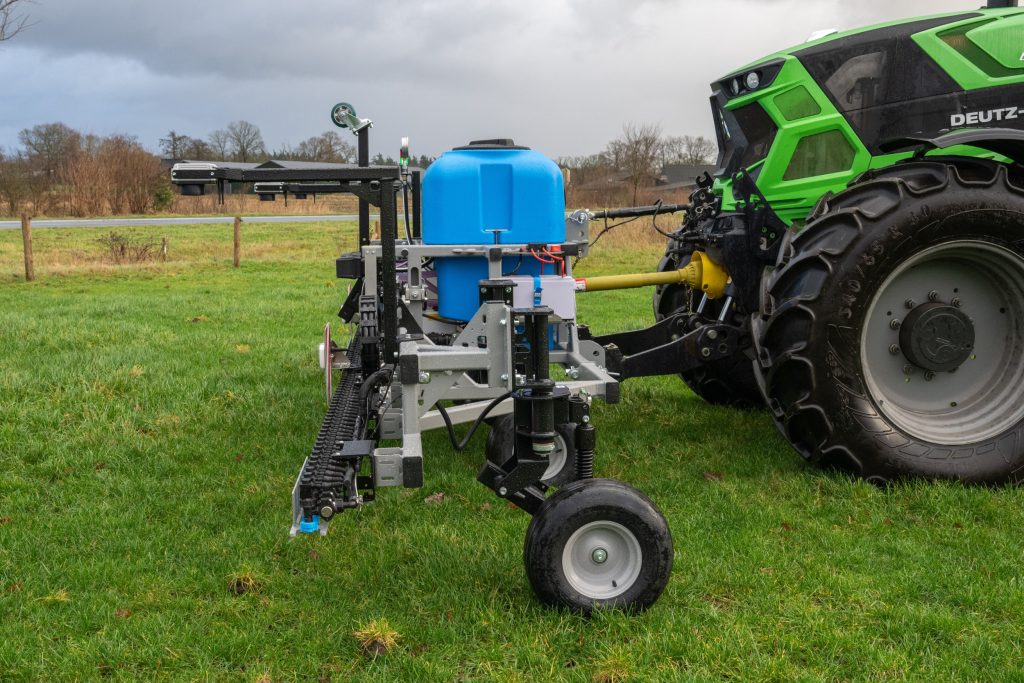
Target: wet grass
153, 418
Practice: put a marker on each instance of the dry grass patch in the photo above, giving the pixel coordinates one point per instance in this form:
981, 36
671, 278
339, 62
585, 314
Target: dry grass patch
244, 582
376, 638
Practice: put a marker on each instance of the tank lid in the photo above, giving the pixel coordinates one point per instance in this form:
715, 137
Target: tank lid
495, 143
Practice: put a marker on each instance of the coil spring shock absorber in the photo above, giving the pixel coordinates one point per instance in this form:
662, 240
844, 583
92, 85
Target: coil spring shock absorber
585, 437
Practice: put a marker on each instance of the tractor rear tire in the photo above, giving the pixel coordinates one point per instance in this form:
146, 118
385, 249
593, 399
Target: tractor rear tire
891, 341
729, 381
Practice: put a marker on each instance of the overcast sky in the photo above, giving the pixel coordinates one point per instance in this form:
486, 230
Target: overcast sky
562, 76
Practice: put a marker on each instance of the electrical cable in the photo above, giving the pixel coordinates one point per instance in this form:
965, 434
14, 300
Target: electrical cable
654, 220
456, 444
405, 204
560, 260
369, 384
535, 255
611, 227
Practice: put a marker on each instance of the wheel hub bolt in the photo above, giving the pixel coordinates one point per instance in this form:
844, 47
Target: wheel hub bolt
705, 352
933, 295
908, 369
895, 323
910, 303
894, 349
599, 556
929, 376
956, 302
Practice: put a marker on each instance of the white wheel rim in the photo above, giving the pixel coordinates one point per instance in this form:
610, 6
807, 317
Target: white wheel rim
985, 396
602, 560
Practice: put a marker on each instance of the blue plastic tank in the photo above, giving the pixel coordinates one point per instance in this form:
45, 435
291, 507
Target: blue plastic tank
473, 191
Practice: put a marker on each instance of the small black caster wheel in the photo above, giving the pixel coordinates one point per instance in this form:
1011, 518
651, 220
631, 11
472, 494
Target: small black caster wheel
561, 463
598, 543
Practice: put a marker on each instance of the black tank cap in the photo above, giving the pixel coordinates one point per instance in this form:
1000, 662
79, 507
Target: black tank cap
495, 143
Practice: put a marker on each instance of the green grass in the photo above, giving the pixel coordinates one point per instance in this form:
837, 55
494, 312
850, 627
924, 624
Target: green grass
153, 419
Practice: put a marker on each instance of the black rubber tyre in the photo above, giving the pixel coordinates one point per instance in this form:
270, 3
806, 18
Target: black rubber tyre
727, 382
829, 386
583, 519
499, 449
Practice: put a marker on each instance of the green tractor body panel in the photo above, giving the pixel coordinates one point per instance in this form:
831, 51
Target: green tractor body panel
809, 120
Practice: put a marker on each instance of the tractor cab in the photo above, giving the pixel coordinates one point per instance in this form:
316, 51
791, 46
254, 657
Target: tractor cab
807, 121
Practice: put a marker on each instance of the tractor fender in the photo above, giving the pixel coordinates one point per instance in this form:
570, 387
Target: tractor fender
1007, 142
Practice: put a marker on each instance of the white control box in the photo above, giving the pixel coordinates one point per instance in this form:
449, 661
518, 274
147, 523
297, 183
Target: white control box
554, 291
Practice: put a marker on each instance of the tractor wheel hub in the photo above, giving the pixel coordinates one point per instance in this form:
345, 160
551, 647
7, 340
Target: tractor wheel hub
937, 337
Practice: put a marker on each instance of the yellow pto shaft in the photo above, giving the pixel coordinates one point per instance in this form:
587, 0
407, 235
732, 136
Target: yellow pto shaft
700, 273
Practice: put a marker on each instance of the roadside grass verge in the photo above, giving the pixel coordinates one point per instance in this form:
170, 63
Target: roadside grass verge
153, 419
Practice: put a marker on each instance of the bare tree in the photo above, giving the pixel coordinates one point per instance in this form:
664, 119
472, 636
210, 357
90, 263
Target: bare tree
697, 150
51, 147
246, 141
173, 146
115, 175
12, 20
687, 149
86, 186
671, 150
195, 148
176, 146
15, 181
329, 147
133, 174
636, 153
219, 143
589, 168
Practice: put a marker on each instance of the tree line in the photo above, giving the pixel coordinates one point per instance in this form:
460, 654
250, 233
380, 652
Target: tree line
243, 141
638, 156
58, 170
61, 171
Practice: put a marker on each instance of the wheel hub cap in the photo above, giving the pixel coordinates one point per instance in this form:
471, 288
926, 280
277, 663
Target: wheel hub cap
937, 337
602, 560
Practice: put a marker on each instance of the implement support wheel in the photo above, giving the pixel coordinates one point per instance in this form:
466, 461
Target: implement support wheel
598, 543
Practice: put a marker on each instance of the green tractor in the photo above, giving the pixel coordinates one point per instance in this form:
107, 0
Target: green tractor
869, 208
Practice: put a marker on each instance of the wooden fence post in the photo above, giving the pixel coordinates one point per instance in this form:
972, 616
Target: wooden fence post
163, 250
26, 238
238, 241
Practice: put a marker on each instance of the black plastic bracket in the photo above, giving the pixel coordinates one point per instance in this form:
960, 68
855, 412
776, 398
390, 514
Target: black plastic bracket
643, 356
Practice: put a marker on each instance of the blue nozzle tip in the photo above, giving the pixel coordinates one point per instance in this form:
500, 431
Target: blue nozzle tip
310, 527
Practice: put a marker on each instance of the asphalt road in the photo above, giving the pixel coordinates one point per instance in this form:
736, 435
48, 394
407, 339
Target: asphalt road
189, 220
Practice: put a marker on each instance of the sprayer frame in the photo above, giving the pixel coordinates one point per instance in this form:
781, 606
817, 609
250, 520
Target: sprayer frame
421, 373
403, 362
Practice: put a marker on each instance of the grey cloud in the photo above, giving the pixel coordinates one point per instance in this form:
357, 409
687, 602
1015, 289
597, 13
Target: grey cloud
561, 75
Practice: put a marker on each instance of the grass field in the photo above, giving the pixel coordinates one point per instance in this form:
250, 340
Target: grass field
153, 419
